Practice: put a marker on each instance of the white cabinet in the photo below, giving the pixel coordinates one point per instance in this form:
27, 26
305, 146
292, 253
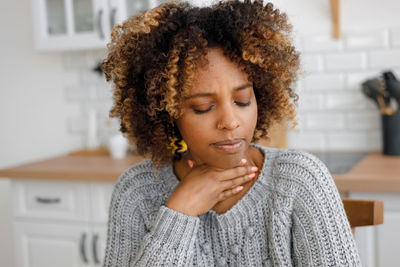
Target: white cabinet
379, 245
41, 244
80, 24
60, 223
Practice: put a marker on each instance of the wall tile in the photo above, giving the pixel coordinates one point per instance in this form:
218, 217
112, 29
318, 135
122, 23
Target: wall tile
384, 59
354, 80
367, 120
324, 82
321, 43
306, 140
345, 61
322, 121
366, 40
311, 63
395, 37
345, 101
356, 140
311, 102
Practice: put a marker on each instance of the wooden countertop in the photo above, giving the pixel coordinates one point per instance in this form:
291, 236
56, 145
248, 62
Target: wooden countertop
374, 173
77, 166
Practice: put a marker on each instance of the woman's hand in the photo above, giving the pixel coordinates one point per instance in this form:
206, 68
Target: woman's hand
205, 186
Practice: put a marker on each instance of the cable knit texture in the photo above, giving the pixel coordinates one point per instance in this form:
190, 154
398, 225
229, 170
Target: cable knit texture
291, 216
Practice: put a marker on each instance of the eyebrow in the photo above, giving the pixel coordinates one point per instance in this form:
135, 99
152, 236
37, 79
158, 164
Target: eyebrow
241, 87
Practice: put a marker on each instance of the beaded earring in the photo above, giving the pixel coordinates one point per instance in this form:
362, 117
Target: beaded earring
176, 143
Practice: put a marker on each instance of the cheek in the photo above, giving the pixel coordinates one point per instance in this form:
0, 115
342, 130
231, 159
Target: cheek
252, 116
192, 128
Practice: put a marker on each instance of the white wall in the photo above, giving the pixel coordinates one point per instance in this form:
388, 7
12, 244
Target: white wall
33, 109
313, 16
42, 97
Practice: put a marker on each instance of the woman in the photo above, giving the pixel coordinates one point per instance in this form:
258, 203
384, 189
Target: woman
194, 87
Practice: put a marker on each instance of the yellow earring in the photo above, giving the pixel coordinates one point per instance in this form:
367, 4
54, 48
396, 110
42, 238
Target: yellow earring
177, 145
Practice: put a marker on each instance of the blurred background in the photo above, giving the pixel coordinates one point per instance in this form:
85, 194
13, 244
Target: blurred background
54, 100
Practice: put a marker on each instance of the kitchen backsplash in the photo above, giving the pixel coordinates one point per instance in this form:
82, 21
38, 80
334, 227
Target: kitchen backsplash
333, 113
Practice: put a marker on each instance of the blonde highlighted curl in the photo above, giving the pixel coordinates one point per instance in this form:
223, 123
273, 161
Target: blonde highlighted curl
152, 58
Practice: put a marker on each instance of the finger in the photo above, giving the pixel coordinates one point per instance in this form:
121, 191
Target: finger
236, 172
190, 163
230, 192
237, 181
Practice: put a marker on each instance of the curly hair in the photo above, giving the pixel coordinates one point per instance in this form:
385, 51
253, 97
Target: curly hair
152, 58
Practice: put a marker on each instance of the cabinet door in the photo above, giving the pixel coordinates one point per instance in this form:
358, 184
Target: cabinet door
100, 201
70, 24
379, 245
121, 10
49, 245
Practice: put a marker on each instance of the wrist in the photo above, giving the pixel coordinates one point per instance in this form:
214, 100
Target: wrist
172, 205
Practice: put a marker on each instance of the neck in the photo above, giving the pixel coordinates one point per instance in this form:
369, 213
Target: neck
253, 156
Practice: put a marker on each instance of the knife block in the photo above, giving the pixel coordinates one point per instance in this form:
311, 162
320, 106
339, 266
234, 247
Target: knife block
391, 134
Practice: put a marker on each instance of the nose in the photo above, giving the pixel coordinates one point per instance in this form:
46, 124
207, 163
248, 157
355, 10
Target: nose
228, 119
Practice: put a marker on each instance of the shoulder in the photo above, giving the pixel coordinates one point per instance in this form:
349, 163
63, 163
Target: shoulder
295, 163
295, 173
305, 179
136, 185
301, 165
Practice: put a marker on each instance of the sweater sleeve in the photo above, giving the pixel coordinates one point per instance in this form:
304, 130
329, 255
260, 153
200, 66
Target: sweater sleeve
169, 241
321, 233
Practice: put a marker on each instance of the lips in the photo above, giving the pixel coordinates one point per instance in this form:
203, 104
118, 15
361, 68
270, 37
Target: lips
229, 146
228, 142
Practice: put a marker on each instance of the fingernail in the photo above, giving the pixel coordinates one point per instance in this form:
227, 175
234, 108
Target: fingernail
243, 161
239, 188
190, 163
251, 175
254, 169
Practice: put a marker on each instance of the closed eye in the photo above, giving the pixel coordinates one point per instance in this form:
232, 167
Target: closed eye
243, 104
240, 104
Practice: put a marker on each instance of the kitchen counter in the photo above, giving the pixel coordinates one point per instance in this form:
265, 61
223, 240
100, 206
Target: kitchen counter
77, 166
372, 172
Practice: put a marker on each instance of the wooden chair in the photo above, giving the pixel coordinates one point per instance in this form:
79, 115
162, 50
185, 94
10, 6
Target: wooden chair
363, 212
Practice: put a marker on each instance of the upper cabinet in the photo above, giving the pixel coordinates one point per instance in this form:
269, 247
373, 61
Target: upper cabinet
81, 24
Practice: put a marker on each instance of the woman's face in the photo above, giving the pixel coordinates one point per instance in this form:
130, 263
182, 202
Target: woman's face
220, 113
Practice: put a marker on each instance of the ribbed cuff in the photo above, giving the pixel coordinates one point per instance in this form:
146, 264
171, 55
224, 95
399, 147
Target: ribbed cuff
175, 229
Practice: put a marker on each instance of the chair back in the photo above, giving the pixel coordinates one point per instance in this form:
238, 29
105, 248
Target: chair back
363, 212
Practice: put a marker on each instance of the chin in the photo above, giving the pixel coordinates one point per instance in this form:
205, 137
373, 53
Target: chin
228, 161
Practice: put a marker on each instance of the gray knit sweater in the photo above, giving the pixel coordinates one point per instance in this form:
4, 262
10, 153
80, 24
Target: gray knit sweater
291, 216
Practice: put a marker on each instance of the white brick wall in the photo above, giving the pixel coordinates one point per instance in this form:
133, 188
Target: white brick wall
365, 40
333, 113
345, 61
395, 40
90, 92
324, 82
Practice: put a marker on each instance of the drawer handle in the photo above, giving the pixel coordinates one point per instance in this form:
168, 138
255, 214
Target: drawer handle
48, 200
82, 247
94, 247
99, 24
